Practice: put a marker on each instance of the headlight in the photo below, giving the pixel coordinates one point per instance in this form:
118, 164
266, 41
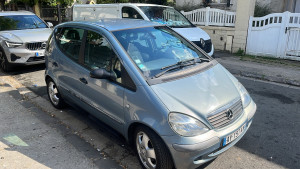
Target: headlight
13, 44
244, 95
185, 125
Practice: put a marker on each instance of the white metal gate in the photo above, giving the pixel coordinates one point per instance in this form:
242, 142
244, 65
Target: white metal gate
293, 42
276, 35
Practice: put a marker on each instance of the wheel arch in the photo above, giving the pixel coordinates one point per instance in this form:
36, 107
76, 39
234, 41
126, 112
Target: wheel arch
131, 131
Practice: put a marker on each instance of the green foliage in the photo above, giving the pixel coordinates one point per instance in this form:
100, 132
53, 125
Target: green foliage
31, 3
240, 52
105, 1
261, 10
160, 2
64, 3
188, 6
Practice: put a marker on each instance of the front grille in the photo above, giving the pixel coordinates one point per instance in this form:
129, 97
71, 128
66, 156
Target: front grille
207, 47
219, 119
36, 45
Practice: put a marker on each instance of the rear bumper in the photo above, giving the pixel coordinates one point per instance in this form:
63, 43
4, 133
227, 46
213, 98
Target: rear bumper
191, 153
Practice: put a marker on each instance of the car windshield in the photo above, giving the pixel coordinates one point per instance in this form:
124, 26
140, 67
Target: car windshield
155, 48
166, 15
19, 22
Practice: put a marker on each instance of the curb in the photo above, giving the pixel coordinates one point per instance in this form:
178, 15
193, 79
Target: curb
264, 77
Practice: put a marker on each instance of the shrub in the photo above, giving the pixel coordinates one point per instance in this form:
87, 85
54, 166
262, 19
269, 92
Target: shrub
261, 10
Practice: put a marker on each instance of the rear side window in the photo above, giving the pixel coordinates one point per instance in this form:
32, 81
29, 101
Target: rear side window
69, 41
128, 12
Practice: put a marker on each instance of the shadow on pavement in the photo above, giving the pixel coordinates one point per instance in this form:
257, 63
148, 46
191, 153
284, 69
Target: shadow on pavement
274, 134
44, 149
21, 69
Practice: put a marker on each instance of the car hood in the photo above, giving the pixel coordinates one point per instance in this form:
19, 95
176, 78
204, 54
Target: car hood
200, 94
192, 34
28, 35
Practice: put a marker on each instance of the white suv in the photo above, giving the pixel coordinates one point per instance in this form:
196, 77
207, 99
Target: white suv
23, 37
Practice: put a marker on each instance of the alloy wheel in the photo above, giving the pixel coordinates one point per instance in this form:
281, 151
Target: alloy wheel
145, 150
53, 93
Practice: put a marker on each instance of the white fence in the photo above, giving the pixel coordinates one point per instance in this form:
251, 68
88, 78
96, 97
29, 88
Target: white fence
211, 16
276, 35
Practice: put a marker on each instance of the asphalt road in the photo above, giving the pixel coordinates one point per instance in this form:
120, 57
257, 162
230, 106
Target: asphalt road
271, 142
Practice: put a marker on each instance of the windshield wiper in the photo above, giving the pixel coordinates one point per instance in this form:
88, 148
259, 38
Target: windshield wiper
180, 65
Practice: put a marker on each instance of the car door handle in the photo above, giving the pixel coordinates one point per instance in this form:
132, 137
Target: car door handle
83, 80
55, 64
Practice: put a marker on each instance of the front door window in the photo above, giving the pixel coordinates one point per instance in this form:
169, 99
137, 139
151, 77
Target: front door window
99, 54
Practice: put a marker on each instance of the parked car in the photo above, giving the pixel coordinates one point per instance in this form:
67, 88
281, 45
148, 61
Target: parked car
23, 37
150, 12
176, 104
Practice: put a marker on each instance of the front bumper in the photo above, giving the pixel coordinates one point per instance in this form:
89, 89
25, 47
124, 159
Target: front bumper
24, 56
191, 152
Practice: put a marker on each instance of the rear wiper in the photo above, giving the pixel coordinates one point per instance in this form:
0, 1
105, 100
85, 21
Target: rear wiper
180, 65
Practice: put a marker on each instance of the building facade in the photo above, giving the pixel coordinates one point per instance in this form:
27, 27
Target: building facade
276, 6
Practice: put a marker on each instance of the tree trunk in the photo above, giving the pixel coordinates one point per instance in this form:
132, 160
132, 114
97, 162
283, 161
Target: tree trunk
37, 9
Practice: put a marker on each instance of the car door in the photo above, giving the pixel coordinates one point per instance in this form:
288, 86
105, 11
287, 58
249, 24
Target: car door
105, 96
66, 65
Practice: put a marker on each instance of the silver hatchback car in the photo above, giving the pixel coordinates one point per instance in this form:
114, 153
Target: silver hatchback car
23, 37
178, 106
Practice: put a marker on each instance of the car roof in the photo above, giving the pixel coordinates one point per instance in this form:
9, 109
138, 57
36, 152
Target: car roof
10, 13
116, 4
116, 23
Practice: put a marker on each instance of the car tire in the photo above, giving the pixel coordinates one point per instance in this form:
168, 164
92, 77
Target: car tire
54, 95
4, 64
151, 150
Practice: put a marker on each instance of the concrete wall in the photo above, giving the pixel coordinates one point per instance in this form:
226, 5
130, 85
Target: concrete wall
297, 8
245, 9
222, 37
196, 3
277, 6
180, 3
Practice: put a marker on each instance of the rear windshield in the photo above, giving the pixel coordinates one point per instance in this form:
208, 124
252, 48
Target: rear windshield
20, 22
153, 48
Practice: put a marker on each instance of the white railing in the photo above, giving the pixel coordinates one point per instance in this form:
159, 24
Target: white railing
211, 16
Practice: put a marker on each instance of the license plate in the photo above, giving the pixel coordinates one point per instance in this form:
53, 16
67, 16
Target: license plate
38, 54
228, 139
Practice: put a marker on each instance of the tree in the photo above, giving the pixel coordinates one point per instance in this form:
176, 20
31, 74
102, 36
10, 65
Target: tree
2, 3
160, 2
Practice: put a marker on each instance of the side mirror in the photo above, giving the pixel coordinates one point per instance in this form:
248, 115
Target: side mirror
102, 74
50, 24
